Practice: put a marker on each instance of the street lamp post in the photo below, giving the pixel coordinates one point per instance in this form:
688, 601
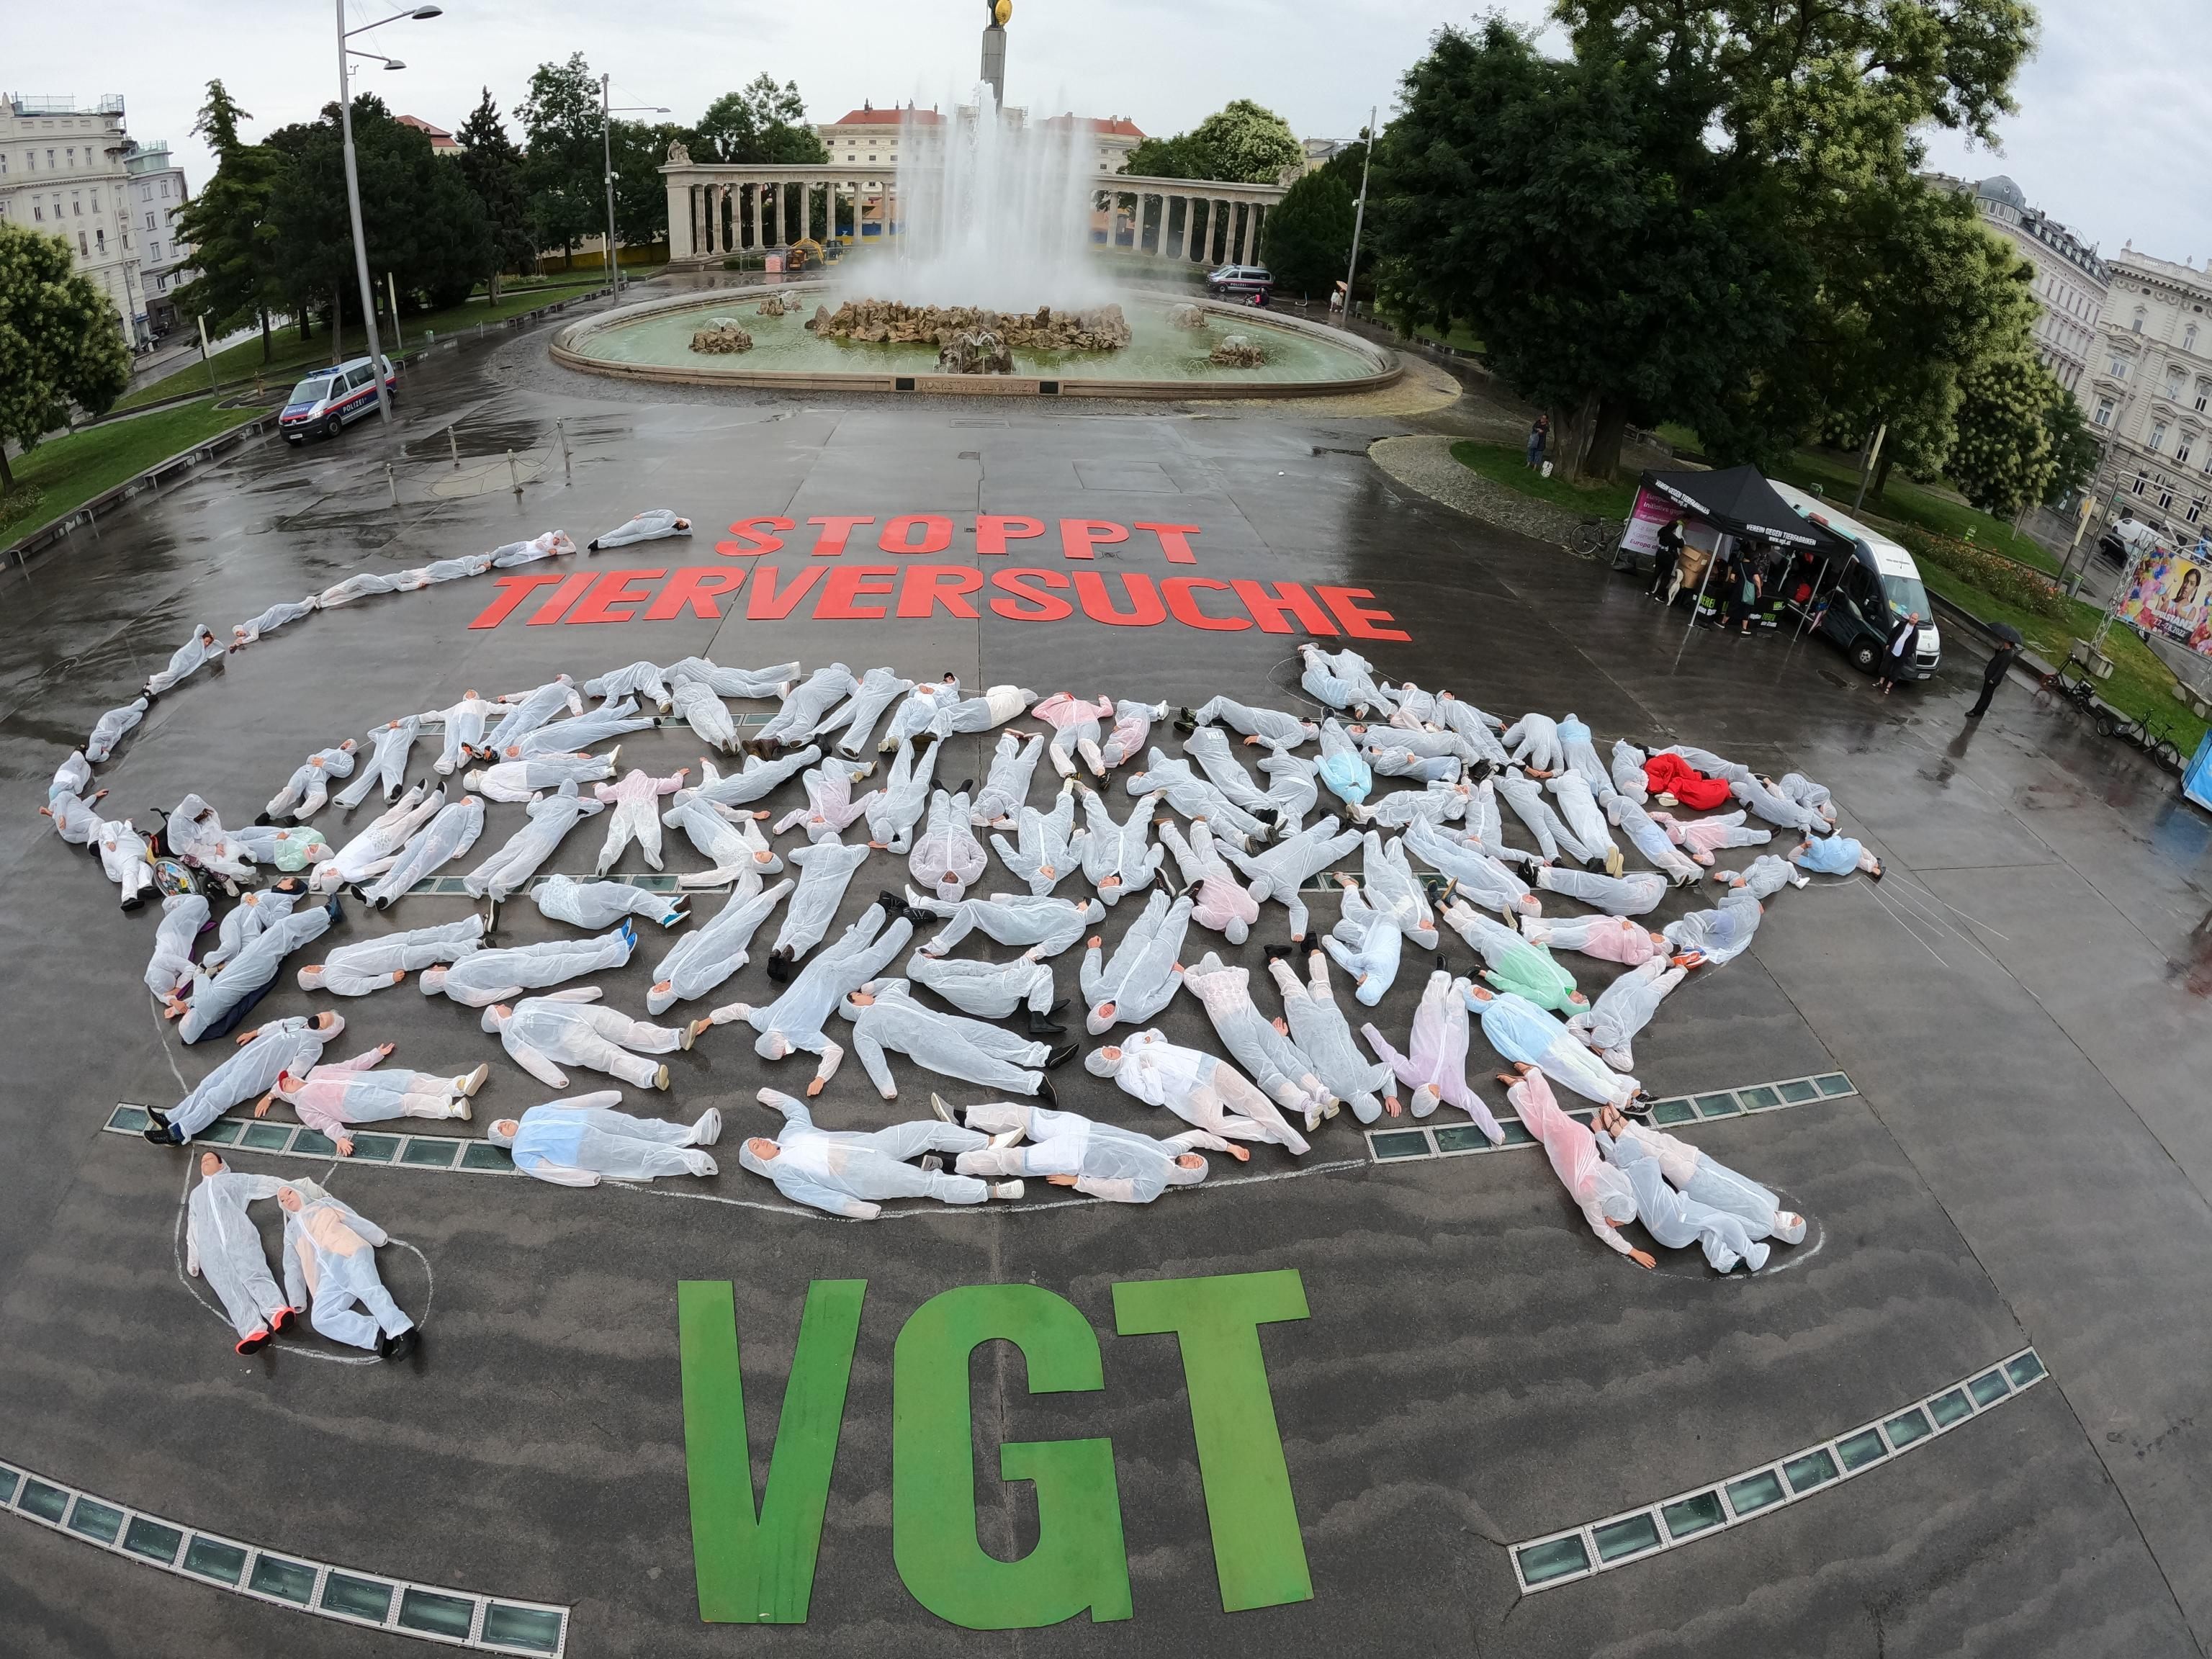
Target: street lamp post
353, 187
607, 155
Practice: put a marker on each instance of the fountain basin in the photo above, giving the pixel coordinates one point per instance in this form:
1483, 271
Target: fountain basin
652, 341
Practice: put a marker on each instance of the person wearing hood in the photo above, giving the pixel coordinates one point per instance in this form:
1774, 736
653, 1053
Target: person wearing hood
1386, 759
1718, 935
579, 733
636, 816
187, 661
376, 848
998, 705
564, 1027
1700, 838
1513, 963
1628, 772
126, 859
1599, 1191
1293, 786
1526, 797
111, 727
169, 967
389, 745
1132, 731
1204, 1092
1763, 877
809, 702
1099, 1160
333, 1096
893, 810
1434, 805
830, 806
551, 544
947, 858
1677, 1222
290, 848
1195, 798
992, 990
1319, 1028
464, 726
1476, 873
75, 820
476, 978
509, 869
773, 682
1650, 839
1263, 1048
1343, 680
193, 832
453, 571
1281, 872
706, 715
219, 1000
1269, 728
1525, 1034
825, 871
280, 615
856, 718
639, 679
262, 1056
223, 1247
1631, 894
308, 789
1042, 857
1578, 809
436, 844
1074, 721
1834, 855
1145, 973
1209, 746
1017, 918
1696, 1175
330, 1269
704, 958
1625, 1007
524, 780
524, 712
251, 917
1013, 764
729, 840
1220, 901
1607, 938
367, 584
1366, 943
650, 526
854, 1175
1579, 750
1813, 797
1435, 1068
373, 965
601, 904
1342, 766
581, 1141
1119, 858
885, 1017
1532, 742
795, 1021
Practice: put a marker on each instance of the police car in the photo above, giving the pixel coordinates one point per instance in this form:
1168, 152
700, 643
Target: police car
329, 397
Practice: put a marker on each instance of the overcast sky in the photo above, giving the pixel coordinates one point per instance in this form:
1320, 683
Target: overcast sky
2111, 135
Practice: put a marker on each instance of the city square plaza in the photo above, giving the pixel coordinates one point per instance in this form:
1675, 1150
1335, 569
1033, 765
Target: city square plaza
1389, 1396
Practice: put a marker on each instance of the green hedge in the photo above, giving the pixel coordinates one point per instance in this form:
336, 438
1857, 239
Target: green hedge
1992, 572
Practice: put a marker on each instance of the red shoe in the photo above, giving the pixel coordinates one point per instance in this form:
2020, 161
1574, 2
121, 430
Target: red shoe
253, 1344
284, 1320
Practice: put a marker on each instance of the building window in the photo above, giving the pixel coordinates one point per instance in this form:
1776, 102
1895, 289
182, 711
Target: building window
2195, 509
2189, 337
2181, 450
80, 248
50, 160
2157, 437
72, 155
2142, 483
38, 213
96, 201
100, 240
149, 222
2165, 496
2204, 395
2139, 320
2119, 367
2173, 383
153, 251
165, 189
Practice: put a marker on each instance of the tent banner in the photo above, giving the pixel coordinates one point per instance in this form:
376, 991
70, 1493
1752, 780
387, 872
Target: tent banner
1651, 513
2170, 595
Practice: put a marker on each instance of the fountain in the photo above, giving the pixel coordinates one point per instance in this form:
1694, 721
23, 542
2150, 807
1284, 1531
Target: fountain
990, 283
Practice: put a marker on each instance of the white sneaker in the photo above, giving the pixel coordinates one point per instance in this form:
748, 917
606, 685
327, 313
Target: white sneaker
1007, 1189
661, 1078
943, 1112
474, 1081
1008, 1138
709, 1129
460, 1110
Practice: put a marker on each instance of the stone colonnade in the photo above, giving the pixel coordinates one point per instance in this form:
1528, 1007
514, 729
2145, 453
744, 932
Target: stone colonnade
714, 211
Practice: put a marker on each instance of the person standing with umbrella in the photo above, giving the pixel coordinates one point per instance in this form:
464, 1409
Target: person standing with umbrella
2000, 665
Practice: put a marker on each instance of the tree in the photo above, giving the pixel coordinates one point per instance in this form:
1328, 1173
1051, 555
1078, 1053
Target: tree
1616, 267
61, 341
1162, 158
2073, 450
2003, 460
226, 226
1307, 236
762, 122
492, 166
561, 118
1240, 142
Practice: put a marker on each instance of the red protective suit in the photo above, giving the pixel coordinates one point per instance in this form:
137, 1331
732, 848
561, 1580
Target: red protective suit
1672, 775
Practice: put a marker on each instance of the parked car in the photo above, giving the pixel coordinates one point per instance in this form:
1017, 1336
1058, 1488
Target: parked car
1878, 585
329, 397
2128, 541
1239, 282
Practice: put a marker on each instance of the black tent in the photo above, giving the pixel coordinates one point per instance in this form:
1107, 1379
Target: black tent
1739, 502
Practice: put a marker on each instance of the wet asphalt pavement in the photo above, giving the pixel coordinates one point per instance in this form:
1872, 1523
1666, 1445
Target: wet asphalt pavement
2021, 1005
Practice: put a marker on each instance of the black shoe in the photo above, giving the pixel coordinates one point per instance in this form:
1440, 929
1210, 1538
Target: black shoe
134, 902
262, 820
966, 788
1060, 1056
1043, 1025
283, 1319
894, 906
1185, 721
1270, 816
1045, 1092
1281, 953
396, 1347
779, 966
334, 911
162, 1135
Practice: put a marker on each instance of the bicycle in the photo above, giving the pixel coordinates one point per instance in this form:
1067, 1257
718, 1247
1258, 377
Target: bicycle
1593, 537
2153, 736
2071, 681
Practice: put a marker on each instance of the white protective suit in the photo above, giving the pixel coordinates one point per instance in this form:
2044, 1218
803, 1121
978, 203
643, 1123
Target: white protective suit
250, 918
1624, 1008
187, 661
1526, 797
1650, 839
553, 543
1397, 760
1763, 877
1118, 858
825, 871
1209, 746
1435, 1069
811, 699
1075, 720
1607, 938
1720, 934
830, 806
125, 861
308, 789
1367, 944
1579, 808
1813, 797
1220, 901
223, 1247
1521, 1031
757, 778
1635, 894
435, 845
1478, 876
374, 850
649, 525
1016, 918
1775, 807
372, 964
391, 744
509, 869
1695, 1173
1271, 726
947, 858
1600, 1192
1293, 786
193, 832
1132, 729
773, 682
365, 583
464, 726
854, 1175
1433, 804
109, 730
1627, 772
524, 712
1678, 1221
705, 713
1533, 741
856, 717
1013, 763
703, 959
169, 969
1281, 870
330, 1269
1141, 978
72, 777
1319, 1028
895, 808
951, 1045
277, 616
602, 904
281, 1046
988, 990
75, 820
218, 1001
579, 733
1719, 832
1206, 1092
290, 847
581, 1141
729, 840
1100, 1160
1194, 797
795, 1020
998, 705
1272, 1059
478, 979
1343, 680
639, 679
1042, 857
545, 1033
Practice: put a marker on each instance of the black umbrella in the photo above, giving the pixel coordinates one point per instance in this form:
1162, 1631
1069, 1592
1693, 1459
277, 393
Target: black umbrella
2007, 634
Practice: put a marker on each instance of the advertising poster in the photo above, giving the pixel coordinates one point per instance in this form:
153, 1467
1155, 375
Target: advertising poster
2170, 594
1652, 512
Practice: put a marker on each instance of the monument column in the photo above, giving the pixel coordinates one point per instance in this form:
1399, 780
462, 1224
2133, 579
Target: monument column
758, 205
1243, 211
703, 224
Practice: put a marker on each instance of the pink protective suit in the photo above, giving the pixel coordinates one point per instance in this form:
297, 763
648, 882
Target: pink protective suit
1073, 721
1221, 903
1702, 837
1609, 938
1436, 1070
635, 815
1600, 1192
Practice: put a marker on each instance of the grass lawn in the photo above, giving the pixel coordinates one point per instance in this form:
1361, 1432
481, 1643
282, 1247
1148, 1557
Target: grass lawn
241, 362
70, 470
1458, 336
1913, 503
1507, 465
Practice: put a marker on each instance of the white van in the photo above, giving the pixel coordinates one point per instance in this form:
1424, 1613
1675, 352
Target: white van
331, 398
1874, 591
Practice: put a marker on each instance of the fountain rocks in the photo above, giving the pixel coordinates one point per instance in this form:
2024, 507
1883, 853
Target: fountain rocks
776, 306
977, 352
1101, 328
1237, 351
1186, 315
721, 335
